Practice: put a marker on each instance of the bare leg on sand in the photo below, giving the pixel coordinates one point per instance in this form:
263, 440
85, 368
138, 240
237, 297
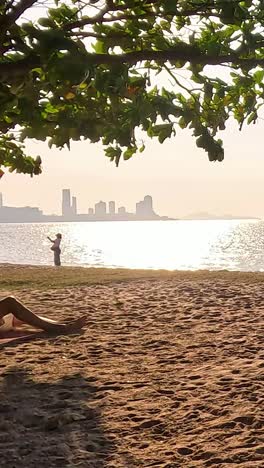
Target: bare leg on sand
23, 316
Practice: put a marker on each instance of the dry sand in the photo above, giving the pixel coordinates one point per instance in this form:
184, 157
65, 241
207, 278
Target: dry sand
169, 373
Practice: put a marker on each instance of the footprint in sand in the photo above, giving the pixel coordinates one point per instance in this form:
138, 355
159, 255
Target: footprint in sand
184, 451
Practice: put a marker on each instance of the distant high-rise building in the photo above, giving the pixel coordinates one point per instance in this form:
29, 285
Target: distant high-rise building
145, 208
148, 203
66, 202
24, 214
1, 200
111, 207
90, 211
122, 210
100, 208
74, 205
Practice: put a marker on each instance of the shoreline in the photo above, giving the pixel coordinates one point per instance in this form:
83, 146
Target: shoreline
19, 276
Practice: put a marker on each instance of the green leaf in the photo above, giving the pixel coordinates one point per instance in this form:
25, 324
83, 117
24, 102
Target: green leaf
99, 47
258, 76
129, 152
47, 22
51, 109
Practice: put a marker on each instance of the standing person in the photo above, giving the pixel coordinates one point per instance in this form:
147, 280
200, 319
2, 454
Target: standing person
56, 249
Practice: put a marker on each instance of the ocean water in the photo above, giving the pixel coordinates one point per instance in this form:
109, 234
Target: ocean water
173, 245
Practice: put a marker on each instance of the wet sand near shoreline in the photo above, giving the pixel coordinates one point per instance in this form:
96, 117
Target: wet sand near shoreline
168, 373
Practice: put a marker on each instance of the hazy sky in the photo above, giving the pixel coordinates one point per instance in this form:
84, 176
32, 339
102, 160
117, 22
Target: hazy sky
178, 175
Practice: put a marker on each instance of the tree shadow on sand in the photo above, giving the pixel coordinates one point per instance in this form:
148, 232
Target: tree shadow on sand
50, 425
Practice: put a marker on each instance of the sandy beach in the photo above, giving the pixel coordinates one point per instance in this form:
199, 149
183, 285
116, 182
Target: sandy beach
169, 372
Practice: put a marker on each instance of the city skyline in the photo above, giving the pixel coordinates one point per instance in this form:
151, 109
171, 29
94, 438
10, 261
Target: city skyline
69, 204
178, 176
101, 212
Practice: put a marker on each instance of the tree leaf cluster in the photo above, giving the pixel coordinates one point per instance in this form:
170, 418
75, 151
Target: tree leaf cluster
114, 70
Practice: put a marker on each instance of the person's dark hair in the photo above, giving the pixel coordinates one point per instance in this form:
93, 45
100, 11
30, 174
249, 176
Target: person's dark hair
59, 235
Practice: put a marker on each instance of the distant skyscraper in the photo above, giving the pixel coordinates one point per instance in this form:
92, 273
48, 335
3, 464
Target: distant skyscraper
100, 208
66, 202
111, 207
74, 205
90, 211
122, 210
148, 203
145, 208
1, 200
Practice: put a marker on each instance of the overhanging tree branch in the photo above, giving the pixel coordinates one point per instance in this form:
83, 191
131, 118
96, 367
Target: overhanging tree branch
184, 53
102, 89
16, 11
126, 16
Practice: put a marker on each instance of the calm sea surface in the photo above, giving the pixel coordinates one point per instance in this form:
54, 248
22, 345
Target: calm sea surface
181, 245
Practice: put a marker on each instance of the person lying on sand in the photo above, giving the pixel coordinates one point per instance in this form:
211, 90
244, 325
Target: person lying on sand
13, 314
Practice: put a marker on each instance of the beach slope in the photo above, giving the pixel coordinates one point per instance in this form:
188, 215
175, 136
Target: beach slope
169, 373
